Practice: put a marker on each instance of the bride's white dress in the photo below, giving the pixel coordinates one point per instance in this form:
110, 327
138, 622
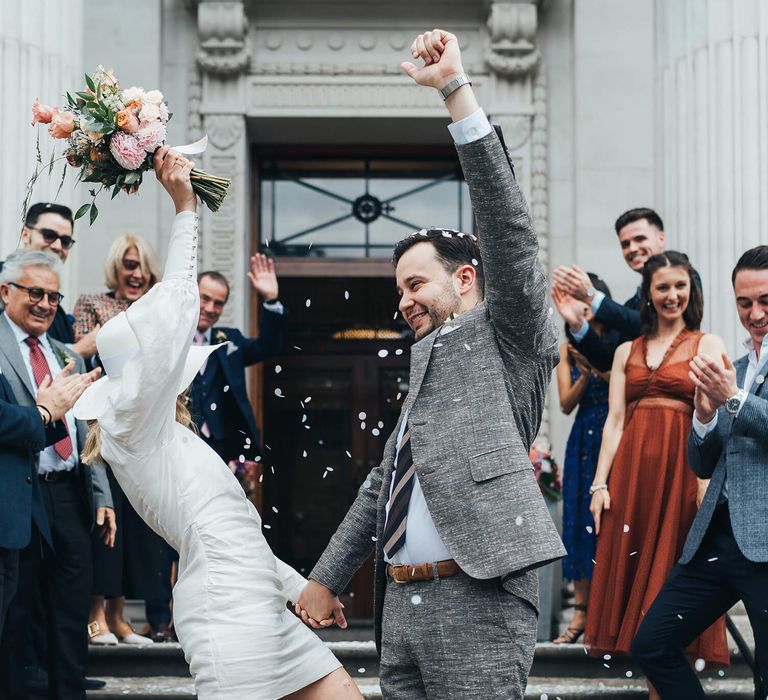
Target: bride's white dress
230, 599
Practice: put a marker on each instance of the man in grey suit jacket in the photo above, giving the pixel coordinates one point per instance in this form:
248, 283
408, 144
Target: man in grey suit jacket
75, 495
455, 515
725, 558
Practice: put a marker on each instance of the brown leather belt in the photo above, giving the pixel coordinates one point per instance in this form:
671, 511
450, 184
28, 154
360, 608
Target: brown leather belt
409, 573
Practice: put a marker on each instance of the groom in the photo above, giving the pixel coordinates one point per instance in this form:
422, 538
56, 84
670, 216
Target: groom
454, 512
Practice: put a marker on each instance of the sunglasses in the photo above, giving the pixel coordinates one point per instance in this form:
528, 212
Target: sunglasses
36, 294
50, 237
131, 265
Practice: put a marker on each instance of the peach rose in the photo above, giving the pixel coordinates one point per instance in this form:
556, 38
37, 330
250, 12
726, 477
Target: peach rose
127, 121
62, 124
41, 114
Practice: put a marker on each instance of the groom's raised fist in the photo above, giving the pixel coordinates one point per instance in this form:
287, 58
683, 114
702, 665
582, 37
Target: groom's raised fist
439, 50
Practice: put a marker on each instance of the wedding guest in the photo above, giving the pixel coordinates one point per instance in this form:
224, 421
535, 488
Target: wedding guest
641, 234
132, 567
725, 558
76, 495
580, 386
644, 496
49, 227
219, 399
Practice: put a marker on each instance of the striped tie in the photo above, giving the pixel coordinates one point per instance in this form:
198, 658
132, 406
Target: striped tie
397, 518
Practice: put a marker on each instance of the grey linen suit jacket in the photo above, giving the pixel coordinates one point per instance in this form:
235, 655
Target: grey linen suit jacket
12, 366
475, 402
738, 448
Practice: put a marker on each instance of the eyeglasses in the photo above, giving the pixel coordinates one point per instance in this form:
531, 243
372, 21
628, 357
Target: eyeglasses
50, 237
36, 294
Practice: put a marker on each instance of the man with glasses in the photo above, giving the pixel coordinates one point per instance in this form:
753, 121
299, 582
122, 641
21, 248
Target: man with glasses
75, 495
49, 227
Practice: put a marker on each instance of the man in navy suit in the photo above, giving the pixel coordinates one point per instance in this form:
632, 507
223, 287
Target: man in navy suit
219, 398
25, 431
641, 235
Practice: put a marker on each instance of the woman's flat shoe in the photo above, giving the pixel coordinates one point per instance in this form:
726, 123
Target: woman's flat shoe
100, 635
135, 640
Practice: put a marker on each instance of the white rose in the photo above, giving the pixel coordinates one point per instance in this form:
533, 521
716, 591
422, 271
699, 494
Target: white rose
149, 112
163, 108
133, 93
154, 96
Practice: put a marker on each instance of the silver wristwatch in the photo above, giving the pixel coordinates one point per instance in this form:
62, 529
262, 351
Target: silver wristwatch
732, 404
454, 85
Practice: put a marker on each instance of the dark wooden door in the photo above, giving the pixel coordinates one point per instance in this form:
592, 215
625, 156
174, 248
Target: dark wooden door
326, 419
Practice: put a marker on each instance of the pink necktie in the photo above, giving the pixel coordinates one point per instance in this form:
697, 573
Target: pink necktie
41, 369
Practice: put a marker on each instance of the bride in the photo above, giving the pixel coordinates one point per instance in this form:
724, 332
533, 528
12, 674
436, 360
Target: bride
239, 638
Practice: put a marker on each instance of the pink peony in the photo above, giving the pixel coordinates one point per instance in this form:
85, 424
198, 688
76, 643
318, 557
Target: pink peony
151, 135
62, 124
127, 150
41, 114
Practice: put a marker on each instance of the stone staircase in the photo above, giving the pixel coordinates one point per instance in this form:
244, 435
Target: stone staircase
159, 671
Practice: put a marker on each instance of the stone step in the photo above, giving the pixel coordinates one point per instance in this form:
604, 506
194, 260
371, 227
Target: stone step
175, 688
550, 661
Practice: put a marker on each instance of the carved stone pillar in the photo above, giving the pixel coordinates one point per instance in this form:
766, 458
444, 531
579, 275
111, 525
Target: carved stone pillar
217, 108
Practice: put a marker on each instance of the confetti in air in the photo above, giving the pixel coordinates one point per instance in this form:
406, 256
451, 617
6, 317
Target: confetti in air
279, 393
700, 664
383, 353
346, 295
362, 415
308, 303
416, 599
226, 388
213, 406
626, 527
278, 369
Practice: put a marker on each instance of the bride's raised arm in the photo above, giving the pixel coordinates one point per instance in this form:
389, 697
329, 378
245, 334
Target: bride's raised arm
163, 321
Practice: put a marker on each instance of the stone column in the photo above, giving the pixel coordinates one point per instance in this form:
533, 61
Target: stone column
40, 56
712, 140
223, 60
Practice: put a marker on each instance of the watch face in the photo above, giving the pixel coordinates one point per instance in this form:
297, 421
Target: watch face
732, 405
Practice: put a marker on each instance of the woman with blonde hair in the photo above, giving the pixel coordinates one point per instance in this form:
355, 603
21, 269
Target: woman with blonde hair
230, 599
131, 568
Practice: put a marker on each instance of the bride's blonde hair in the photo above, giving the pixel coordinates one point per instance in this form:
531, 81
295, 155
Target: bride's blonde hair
91, 453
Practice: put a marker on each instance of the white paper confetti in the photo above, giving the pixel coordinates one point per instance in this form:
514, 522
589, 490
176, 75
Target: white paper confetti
367, 484
416, 599
278, 369
274, 509
362, 415
383, 353
626, 527
226, 388
589, 529
346, 295
308, 303
519, 520
375, 432
279, 393
399, 351
700, 665
213, 406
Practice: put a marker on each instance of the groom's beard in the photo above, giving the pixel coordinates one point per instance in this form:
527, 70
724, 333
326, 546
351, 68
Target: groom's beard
440, 312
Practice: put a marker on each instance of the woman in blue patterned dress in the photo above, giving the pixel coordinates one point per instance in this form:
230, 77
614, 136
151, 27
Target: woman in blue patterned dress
580, 385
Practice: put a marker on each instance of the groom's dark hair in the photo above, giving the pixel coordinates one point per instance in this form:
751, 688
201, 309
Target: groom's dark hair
754, 259
453, 249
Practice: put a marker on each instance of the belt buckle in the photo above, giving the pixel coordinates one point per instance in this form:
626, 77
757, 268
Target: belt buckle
395, 569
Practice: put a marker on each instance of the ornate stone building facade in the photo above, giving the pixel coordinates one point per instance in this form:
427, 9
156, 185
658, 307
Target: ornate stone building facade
605, 104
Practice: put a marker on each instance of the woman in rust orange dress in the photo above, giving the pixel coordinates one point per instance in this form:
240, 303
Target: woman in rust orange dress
643, 511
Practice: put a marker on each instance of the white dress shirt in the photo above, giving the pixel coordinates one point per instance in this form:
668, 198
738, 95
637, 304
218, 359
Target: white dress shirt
49, 459
422, 540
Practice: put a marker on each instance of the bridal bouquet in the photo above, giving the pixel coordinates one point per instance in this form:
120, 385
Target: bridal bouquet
547, 472
111, 135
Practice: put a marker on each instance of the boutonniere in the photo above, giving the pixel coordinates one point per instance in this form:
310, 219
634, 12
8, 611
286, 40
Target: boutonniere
220, 337
61, 356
